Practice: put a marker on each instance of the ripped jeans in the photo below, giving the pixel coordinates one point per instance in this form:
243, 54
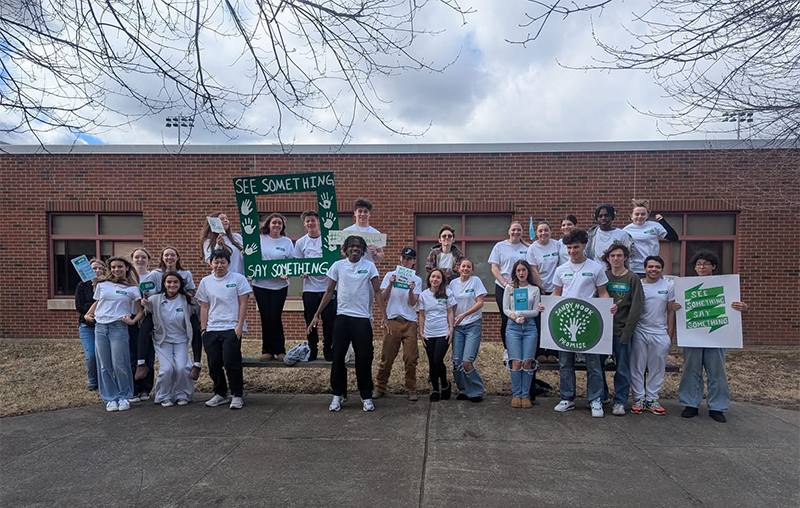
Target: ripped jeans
521, 341
466, 342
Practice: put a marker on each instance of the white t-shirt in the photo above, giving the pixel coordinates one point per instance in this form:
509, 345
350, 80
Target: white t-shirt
354, 281
223, 296
604, 239
368, 229
436, 324
505, 254
546, 259
580, 280
646, 239
157, 278
563, 255
114, 301
237, 259
466, 294
173, 319
445, 261
307, 247
654, 311
271, 250
398, 299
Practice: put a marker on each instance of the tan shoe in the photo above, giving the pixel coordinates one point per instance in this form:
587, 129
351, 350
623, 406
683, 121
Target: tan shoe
280, 357
266, 357
516, 402
141, 372
525, 402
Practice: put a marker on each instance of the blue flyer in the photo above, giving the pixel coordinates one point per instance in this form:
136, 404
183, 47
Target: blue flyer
521, 299
84, 268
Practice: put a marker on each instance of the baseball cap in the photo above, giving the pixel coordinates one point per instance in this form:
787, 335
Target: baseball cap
408, 252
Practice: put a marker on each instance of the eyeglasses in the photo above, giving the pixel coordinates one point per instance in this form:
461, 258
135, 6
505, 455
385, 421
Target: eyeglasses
447, 236
703, 264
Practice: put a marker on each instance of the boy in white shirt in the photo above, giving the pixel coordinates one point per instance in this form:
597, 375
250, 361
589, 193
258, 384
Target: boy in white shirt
223, 304
362, 210
601, 237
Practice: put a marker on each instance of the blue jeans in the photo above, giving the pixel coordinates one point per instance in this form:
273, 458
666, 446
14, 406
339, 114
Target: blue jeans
566, 372
86, 334
521, 342
113, 361
622, 377
466, 342
690, 391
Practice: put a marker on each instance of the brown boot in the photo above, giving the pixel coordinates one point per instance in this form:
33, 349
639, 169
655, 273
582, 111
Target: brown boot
194, 374
141, 372
516, 402
266, 357
525, 402
280, 357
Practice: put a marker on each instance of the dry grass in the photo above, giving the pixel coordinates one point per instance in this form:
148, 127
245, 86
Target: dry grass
42, 375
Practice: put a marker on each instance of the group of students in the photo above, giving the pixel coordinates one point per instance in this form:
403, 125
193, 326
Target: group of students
128, 330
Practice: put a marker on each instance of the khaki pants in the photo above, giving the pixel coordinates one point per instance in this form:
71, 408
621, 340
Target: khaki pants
397, 333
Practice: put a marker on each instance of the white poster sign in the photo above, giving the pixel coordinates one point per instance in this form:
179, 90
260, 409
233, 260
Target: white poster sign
403, 277
706, 318
578, 325
375, 239
216, 224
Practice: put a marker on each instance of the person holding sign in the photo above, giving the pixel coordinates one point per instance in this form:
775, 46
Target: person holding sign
271, 292
695, 359
84, 298
310, 246
223, 299
646, 234
401, 289
352, 278
117, 298
626, 290
469, 293
580, 278
521, 304
168, 316
651, 339
437, 317
604, 233
362, 211
445, 254
232, 242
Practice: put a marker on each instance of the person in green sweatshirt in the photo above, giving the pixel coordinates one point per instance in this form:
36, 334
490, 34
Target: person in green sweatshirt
625, 288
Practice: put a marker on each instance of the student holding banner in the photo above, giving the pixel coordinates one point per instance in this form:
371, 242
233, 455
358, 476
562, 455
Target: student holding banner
521, 305
362, 211
271, 292
646, 234
232, 242
445, 255
84, 298
310, 246
400, 292
436, 317
695, 359
469, 293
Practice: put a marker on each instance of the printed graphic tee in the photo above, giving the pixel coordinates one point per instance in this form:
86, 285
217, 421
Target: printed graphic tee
466, 294
580, 280
273, 249
546, 258
505, 254
222, 294
398, 306
646, 239
174, 320
654, 313
436, 324
311, 248
353, 283
114, 301
604, 239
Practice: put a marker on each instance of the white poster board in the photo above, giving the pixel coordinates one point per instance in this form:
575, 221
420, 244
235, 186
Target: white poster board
403, 277
377, 240
578, 325
706, 318
215, 223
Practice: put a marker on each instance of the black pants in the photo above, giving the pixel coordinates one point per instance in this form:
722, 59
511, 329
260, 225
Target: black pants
146, 338
270, 307
437, 347
149, 355
357, 331
498, 297
311, 303
224, 349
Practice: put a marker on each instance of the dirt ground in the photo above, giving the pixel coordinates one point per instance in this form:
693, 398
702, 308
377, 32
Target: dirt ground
42, 375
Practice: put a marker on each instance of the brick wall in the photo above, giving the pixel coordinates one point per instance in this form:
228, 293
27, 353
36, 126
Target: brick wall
176, 192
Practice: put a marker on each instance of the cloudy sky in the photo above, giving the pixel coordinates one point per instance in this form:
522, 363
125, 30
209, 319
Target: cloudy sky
493, 92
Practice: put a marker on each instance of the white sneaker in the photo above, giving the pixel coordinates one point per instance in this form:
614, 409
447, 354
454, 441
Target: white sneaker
167, 403
564, 405
336, 404
217, 400
237, 403
144, 396
183, 402
619, 410
597, 409
112, 406
505, 357
135, 398
124, 405
368, 405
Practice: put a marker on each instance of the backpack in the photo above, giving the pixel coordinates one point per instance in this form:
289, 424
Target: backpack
299, 353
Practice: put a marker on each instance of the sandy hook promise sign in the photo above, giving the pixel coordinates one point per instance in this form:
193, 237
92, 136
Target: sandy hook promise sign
247, 188
577, 325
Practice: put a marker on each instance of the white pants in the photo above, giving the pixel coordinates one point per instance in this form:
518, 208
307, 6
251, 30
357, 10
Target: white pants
173, 381
649, 352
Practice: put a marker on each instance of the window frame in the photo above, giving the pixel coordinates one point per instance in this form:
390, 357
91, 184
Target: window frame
683, 239
97, 238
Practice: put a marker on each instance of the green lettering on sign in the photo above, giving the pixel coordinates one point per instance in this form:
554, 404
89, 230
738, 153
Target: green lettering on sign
705, 308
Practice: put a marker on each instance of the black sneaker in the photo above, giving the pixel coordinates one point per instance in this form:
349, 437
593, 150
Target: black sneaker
435, 397
462, 396
689, 412
717, 416
476, 399
447, 391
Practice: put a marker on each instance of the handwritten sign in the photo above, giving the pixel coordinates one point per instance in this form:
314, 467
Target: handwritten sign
338, 237
84, 268
706, 318
403, 277
216, 224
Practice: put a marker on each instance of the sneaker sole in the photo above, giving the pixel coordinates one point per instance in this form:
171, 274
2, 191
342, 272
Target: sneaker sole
635, 412
124, 408
368, 410
334, 409
569, 408
219, 404
599, 416
657, 413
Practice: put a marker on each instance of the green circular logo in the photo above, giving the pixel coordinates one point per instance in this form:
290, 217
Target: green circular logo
575, 325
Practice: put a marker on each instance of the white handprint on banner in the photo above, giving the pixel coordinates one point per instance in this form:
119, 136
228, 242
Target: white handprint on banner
249, 226
328, 222
251, 249
247, 207
325, 200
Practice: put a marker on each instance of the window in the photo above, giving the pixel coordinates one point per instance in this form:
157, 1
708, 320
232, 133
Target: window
95, 235
476, 235
696, 231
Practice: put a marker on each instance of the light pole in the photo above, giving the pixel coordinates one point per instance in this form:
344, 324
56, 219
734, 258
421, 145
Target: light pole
179, 121
738, 117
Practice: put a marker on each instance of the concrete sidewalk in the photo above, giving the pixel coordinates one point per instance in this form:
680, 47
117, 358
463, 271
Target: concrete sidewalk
288, 450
